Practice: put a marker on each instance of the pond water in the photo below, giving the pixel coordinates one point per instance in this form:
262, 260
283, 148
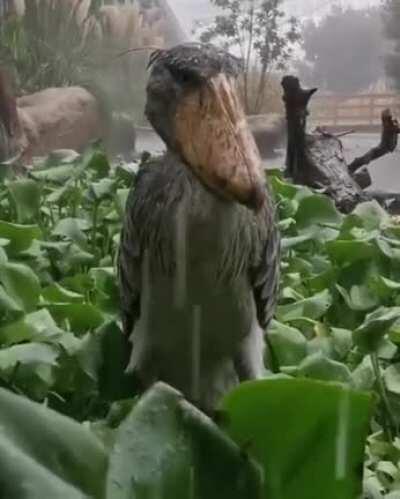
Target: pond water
385, 172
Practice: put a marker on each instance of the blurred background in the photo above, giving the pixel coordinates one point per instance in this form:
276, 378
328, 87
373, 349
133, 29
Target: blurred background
349, 49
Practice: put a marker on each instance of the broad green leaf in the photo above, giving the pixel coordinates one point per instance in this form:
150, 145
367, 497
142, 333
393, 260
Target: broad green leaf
29, 353
106, 285
289, 344
73, 229
22, 477
368, 337
35, 326
309, 436
62, 194
76, 256
383, 286
283, 188
3, 255
342, 340
57, 294
292, 242
120, 200
102, 189
373, 489
20, 236
21, 284
89, 355
344, 252
363, 377
81, 316
8, 305
44, 454
313, 308
316, 210
387, 249
95, 159
168, 449
79, 283
392, 378
26, 195
57, 174
388, 469
318, 366
373, 216
360, 298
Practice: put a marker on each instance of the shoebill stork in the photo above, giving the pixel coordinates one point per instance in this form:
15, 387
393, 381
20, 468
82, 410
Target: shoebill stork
199, 254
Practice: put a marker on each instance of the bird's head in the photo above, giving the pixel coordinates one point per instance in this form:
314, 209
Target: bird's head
193, 103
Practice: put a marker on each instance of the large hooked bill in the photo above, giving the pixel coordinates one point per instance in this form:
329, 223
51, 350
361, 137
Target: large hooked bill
215, 141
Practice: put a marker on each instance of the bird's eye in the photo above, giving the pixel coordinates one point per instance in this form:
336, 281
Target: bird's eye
183, 77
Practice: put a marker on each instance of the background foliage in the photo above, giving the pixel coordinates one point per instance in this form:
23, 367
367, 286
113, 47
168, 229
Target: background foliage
343, 51
263, 35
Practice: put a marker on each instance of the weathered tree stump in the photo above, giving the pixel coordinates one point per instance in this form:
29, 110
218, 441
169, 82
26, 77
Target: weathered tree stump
317, 159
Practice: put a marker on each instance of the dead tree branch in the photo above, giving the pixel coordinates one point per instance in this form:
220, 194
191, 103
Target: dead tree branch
388, 143
317, 159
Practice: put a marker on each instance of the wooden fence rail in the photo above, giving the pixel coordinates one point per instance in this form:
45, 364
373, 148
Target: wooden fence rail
362, 111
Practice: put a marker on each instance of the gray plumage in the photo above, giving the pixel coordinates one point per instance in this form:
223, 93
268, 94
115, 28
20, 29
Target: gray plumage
199, 280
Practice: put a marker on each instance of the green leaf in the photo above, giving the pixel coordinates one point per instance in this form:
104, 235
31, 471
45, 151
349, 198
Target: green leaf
289, 344
368, 337
57, 294
363, 377
81, 316
342, 340
26, 195
20, 236
57, 174
95, 159
285, 189
3, 255
373, 216
318, 366
73, 229
120, 201
168, 449
316, 210
35, 326
21, 284
63, 194
309, 436
30, 353
392, 378
360, 298
103, 189
313, 308
387, 249
344, 252
293, 242
373, 489
8, 305
44, 454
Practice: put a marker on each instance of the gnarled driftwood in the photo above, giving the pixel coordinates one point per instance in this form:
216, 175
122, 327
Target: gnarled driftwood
317, 159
